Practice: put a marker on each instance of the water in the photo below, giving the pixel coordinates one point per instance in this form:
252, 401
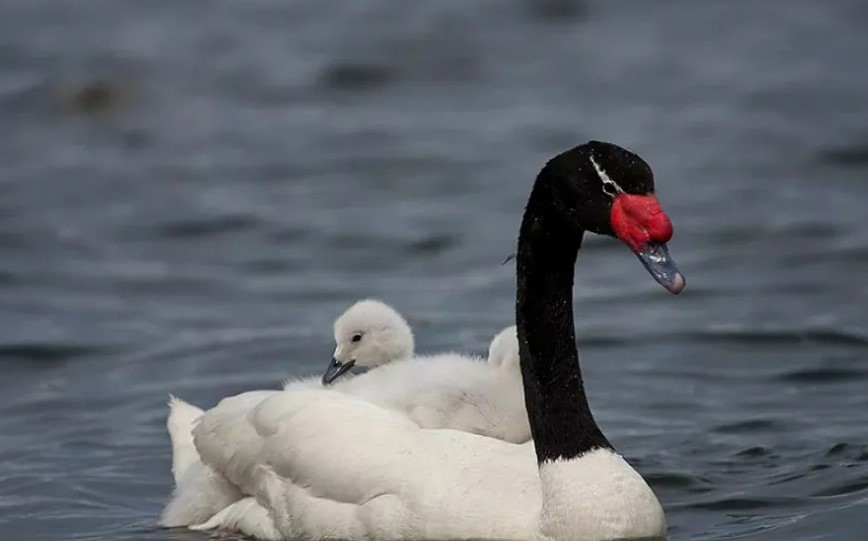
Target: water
191, 194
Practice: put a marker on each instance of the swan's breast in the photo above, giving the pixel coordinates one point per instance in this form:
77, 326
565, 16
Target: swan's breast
598, 496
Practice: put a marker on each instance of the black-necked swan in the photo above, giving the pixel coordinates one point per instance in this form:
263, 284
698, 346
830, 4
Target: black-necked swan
328, 465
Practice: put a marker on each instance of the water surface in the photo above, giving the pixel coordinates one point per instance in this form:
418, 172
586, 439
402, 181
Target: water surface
191, 193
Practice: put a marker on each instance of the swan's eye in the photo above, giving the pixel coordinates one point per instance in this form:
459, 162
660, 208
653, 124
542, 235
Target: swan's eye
357, 337
609, 189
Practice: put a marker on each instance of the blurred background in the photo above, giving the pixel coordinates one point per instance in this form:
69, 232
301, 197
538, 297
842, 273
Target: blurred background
191, 192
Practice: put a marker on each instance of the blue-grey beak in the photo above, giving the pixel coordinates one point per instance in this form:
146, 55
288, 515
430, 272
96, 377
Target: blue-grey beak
335, 370
660, 265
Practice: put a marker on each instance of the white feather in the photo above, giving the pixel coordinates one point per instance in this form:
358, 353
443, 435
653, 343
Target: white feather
391, 479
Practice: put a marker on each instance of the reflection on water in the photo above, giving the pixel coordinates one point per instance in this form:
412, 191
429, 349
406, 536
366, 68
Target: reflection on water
191, 195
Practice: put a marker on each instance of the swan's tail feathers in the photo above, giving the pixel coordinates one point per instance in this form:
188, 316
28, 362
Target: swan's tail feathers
182, 416
245, 516
199, 494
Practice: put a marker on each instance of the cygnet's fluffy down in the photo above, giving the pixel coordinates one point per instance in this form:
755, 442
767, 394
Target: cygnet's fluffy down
455, 391
448, 390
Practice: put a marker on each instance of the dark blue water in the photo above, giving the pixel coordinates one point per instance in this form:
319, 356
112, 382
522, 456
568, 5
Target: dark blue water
190, 192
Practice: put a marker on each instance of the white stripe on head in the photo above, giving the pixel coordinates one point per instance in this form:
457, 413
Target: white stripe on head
607, 181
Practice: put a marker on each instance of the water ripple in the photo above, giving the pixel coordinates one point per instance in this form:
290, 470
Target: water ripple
190, 196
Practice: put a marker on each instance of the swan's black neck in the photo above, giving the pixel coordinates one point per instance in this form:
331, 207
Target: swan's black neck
560, 420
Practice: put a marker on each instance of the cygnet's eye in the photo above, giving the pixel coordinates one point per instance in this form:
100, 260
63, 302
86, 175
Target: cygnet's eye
357, 337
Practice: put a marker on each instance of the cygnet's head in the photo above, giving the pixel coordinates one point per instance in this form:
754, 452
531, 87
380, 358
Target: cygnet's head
503, 350
370, 333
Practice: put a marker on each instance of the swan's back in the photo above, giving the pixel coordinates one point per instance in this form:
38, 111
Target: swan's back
368, 493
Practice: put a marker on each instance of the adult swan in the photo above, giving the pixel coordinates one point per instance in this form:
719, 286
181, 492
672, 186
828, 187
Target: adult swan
325, 465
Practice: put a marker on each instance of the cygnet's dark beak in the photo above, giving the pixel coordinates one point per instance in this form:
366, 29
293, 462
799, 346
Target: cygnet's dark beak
335, 370
659, 264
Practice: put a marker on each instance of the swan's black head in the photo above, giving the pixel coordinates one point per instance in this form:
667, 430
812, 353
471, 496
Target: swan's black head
606, 189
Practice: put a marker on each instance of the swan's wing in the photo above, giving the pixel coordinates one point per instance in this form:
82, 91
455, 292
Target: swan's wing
342, 445
226, 438
327, 464
271, 428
